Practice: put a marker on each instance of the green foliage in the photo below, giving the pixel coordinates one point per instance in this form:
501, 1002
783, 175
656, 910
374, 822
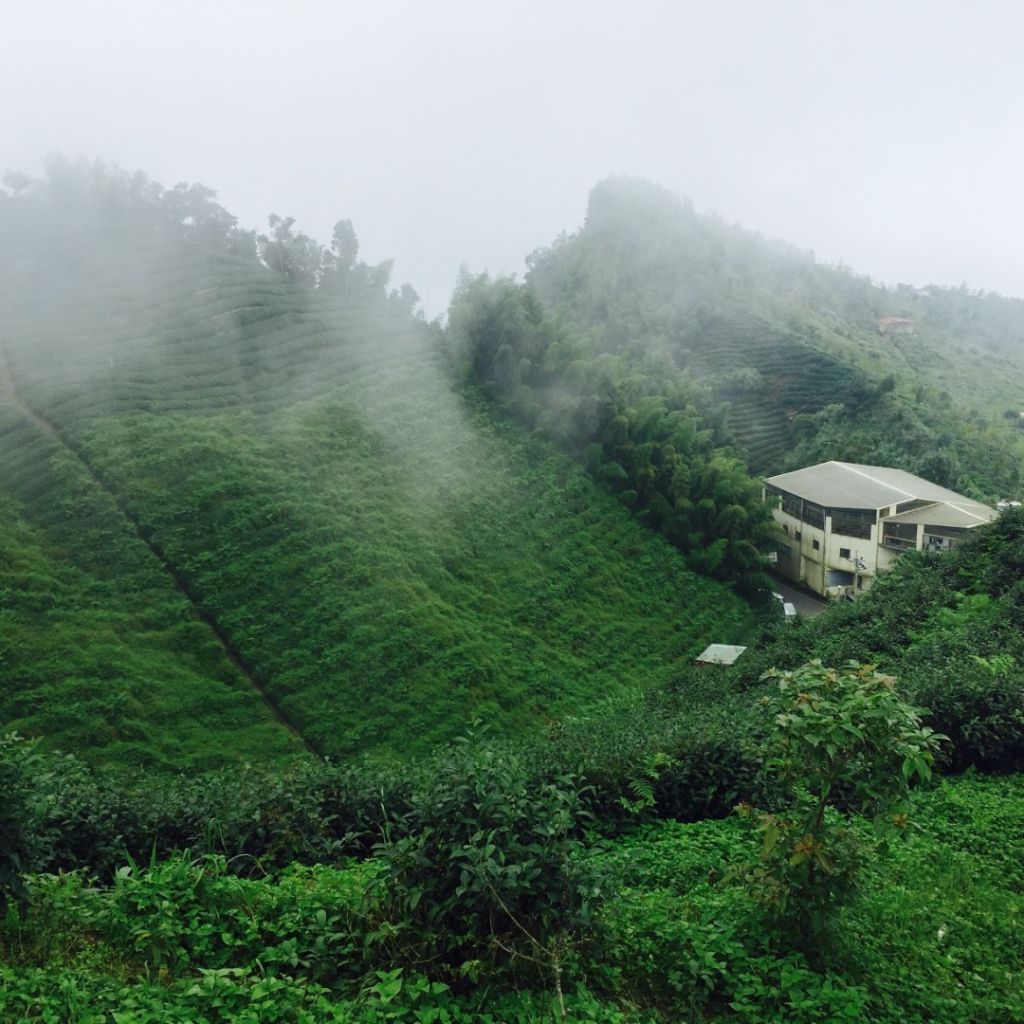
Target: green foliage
641, 787
217, 513
837, 737
698, 741
419, 590
786, 351
951, 629
931, 934
216, 996
22, 812
236, 498
180, 913
692, 944
638, 423
489, 875
98, 648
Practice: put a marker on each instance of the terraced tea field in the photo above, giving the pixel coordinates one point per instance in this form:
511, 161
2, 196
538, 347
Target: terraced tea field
797, 379
250, 510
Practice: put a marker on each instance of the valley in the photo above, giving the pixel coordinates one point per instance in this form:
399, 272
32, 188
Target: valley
347, 660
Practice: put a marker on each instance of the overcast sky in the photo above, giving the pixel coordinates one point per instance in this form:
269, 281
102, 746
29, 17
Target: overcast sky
888, 135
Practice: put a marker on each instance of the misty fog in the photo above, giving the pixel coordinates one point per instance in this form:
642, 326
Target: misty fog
884, 136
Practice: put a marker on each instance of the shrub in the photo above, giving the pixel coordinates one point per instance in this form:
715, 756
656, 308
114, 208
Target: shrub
22, 808
182, 913
835, 737
979, 704
488, 875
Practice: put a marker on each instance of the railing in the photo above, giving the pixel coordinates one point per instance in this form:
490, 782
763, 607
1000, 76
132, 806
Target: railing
899, 543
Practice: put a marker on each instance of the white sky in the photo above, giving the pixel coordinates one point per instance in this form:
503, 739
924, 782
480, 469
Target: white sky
886, 134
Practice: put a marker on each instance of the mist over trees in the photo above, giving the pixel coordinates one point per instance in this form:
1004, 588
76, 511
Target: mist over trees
788, 350
102, 197
359, 662
641, 426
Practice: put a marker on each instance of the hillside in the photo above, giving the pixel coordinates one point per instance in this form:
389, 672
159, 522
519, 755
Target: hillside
359, 892
790, 349
249, 517
253, 509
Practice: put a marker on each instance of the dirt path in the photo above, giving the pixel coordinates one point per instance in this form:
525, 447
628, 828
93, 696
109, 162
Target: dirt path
9, 393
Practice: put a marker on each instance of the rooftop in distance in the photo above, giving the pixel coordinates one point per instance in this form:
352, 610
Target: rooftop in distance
852, 485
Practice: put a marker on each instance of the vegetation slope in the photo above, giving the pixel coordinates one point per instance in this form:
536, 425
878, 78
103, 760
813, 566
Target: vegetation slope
249, 516
609, 841
276, 509
787, 351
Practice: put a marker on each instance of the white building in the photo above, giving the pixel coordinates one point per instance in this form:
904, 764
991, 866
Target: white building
839, 524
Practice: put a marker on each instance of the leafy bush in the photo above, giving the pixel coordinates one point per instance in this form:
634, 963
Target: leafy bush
488, 875
22, 813
217, 996
704, 955
979, 706
837, 737
181, 913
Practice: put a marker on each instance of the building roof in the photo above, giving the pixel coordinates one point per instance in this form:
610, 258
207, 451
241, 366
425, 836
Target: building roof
895, 320
945, 514
852, 485
720, 654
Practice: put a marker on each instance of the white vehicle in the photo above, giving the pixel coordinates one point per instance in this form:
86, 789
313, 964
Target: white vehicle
788, 608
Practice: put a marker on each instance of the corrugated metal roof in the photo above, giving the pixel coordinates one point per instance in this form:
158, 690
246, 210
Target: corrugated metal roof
946, 514
852, 485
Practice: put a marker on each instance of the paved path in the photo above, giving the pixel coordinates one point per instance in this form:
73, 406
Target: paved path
806, 602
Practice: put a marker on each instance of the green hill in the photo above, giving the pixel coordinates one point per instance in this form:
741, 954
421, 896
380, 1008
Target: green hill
790, 350
247, 516
244, 514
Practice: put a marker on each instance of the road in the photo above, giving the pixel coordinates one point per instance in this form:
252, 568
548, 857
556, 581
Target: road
806, 603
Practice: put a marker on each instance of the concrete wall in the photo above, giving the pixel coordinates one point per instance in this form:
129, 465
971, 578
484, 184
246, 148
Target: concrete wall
810, 566
807, 565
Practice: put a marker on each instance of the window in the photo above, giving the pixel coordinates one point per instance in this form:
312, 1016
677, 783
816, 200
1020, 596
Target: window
789, 503
814, 515
816, 545
798, 534
785, 528
900, 535
844, 552
853, 522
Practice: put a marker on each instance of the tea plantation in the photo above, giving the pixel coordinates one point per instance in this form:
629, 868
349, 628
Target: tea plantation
262, 519
346, 662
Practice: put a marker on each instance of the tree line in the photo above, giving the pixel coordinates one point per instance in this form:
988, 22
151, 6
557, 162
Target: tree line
96, 195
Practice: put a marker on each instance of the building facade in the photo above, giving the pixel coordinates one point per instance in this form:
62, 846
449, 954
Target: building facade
839, 524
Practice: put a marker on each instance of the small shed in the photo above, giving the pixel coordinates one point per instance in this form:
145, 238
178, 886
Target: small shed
719, 654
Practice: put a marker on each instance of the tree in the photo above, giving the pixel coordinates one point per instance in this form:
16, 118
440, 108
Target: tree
838, 741
296, 256
345, 245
